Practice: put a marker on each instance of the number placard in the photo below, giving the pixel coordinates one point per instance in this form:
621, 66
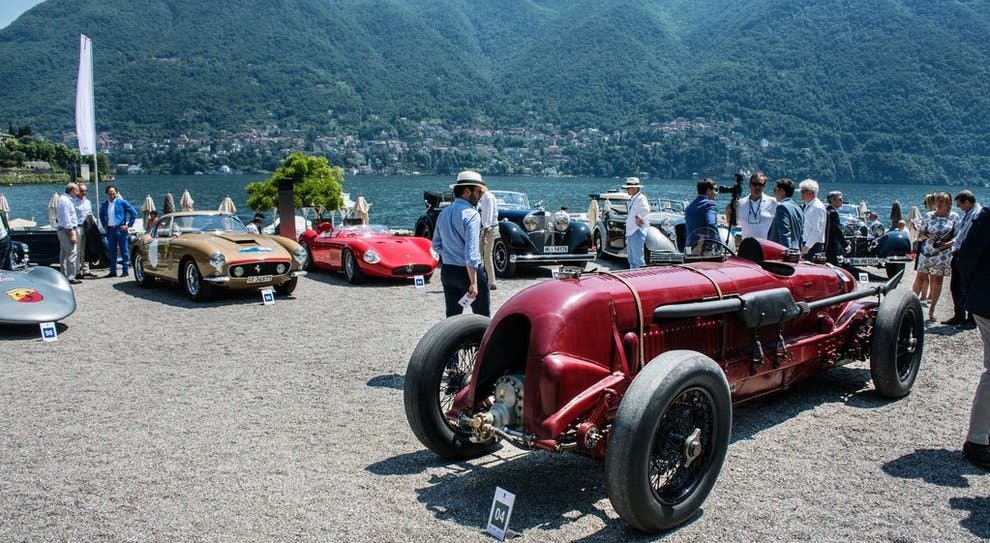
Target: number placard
419, 281
268, 296
48, 332
501, 513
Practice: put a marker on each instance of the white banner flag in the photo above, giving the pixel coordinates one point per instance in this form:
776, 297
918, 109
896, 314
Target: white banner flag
85, 116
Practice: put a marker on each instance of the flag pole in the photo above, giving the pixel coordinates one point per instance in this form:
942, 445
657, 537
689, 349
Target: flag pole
85, 111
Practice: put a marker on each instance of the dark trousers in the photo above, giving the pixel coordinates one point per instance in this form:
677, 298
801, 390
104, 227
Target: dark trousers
5, 263
455, 283
955, 287
117, 241
815, 250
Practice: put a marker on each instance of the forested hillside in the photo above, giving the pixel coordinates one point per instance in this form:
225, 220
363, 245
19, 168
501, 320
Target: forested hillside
884, 90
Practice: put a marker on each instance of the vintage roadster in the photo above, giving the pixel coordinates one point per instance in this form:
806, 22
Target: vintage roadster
361, 251
206, 250
641, 368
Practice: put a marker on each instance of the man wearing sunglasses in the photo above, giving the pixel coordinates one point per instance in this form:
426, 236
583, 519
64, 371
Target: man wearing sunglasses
755, 213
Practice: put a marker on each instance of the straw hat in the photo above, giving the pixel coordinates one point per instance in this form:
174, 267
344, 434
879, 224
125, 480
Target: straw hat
469, 178
632, 183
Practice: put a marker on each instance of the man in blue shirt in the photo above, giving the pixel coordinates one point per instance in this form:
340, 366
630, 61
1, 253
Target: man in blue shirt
457, 239
117, 216
699, 214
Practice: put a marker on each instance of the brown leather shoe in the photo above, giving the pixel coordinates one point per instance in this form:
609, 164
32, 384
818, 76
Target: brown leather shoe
977, 454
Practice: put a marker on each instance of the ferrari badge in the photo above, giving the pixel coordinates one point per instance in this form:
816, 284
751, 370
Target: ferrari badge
25, 295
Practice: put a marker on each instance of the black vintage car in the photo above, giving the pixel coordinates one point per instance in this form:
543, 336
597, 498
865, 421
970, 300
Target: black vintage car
889, 251
527, 235
45, 246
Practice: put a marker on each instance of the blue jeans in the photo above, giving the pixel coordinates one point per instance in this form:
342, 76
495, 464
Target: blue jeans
117, 240
634, 250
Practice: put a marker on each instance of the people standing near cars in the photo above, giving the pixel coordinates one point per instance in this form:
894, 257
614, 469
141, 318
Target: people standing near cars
788, 220
66, 224
254, 227
755, 213
117, 216
5, 263
974, 272
488, 207
701, 214
85, 225
938, 230
835, 242
457, 240
966, 201
637, 223
815, 217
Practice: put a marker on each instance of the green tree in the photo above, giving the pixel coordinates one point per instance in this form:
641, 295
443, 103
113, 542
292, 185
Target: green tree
316, 184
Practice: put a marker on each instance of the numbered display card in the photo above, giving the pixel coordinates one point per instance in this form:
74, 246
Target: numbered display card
268, 296
501, 513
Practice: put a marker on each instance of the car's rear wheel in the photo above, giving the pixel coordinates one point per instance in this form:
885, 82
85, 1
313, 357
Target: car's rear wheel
599, 247
352, 271
898, 343
893, 269
669, 440
143, 279
500, 259
286, 288
308, 264
192, 282
440, 367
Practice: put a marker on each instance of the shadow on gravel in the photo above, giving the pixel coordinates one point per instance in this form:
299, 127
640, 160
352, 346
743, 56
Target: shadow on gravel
978, 521
337, 279
942, 329
388, 380
940, 467
171, 295
11, 332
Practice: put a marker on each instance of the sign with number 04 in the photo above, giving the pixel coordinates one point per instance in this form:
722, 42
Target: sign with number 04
498, 519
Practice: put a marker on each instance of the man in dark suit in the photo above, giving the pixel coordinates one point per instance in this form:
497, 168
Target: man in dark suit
788, 221
117, 216
974, 272
5, 263
700, 214
835, 242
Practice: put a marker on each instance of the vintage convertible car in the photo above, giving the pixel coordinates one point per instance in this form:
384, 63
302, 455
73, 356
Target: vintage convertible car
641, 368
204, 250
889, 251
528, 235
32, 295
368, 250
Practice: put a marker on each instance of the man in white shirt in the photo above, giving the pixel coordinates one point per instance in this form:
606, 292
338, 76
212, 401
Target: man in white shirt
755, 214
488, 207
814, 220
254, 227
84, 209
637, 223
65, 224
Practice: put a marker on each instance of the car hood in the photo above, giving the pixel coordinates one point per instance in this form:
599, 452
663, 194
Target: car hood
237, 244
35, 295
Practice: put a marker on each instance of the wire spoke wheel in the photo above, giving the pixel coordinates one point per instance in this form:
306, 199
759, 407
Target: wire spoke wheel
456, 375
682, 446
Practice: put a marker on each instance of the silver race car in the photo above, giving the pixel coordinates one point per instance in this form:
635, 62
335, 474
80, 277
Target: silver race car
34, 295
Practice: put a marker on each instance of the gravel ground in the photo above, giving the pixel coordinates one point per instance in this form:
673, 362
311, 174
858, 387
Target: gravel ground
154, 418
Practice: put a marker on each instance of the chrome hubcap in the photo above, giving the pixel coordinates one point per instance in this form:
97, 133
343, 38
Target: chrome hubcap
192, 279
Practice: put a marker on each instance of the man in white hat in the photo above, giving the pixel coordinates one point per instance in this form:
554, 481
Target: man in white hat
457, 239
637, 223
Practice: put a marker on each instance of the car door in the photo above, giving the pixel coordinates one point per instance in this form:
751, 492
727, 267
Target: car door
335, 248
320, 247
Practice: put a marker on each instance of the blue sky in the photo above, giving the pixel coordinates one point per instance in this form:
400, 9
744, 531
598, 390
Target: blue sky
12, 9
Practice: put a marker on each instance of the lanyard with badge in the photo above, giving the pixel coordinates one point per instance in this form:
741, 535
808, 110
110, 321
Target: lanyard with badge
755, 214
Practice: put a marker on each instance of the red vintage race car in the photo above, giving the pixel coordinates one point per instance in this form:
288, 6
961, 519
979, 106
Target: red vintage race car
641, 368
368, 251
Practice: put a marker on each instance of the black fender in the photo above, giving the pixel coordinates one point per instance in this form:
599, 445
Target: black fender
515, 237
578, 237
893, 244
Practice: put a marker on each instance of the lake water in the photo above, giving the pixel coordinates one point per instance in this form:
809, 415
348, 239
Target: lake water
398, 200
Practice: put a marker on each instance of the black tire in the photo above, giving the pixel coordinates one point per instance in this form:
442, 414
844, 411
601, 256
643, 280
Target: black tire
898, 344
599, 248
893, 269
442, 364
143, 279
500, 259
676, 415
352, 271
192, 282
287, 287
308, 264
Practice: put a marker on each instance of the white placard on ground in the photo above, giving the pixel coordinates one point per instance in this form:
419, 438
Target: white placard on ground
864, 277
419, 281
466, 300
48, 331
498, 518
268, 296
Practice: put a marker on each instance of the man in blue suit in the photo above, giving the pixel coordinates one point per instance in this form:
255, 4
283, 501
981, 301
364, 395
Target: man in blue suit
699, 214
117, 217
788, 221
974, 272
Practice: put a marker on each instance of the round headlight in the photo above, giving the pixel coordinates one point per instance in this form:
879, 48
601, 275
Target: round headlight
280, 268
878, 230
371, 257
217, 259
238, 271
561, 220
434, 254
530, 223
299, 254
667, 227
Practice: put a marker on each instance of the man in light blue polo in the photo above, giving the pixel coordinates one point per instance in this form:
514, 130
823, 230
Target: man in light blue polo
457, 240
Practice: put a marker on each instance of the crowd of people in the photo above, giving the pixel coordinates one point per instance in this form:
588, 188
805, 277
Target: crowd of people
79, 236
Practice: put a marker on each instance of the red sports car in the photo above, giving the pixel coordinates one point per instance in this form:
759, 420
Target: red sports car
368, 251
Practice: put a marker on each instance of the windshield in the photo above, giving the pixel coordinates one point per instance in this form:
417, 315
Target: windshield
208, 223
511, 200
364, 229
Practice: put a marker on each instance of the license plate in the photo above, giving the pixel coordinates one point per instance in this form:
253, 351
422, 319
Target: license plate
259, 279
864, 261
555, 249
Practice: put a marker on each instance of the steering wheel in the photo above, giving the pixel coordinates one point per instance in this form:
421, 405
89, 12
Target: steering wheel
710, 242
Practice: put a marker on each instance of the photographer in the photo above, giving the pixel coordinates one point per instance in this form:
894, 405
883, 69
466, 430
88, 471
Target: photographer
701, 214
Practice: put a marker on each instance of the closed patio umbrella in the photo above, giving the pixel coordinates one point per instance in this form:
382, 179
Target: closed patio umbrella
227, 206
147, 207
361, 207
169, 205
593, 213
186, 202
52, 204
4, 205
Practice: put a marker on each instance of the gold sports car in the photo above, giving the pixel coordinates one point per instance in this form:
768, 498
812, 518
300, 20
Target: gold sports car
205, 250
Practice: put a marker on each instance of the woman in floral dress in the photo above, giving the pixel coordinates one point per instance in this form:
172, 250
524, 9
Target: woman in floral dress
938, 230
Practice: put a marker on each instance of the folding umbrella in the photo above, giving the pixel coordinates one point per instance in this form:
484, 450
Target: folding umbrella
169, 205
147, 207
227, 206
593, 213
4, 206
186, 202
52, 204
361, 209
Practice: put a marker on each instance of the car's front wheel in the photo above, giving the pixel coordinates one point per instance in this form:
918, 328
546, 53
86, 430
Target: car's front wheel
669, 440
897, 344
352, 271
500, 259
143, 279
599, 245
192, 282
308, 264
440, 367
286, 288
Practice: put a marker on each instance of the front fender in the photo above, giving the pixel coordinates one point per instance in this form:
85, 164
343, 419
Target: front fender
578, 237
657, 242
514, 235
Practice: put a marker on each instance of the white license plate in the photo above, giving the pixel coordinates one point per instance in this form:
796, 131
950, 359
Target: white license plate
555, 249
864, 261
259, 279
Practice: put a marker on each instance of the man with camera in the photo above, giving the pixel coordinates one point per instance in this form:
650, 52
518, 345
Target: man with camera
701, 218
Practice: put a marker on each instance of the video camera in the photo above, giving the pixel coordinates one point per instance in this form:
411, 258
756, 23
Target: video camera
735, 189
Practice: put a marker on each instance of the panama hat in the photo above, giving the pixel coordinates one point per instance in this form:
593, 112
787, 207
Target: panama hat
632, 183
469, 178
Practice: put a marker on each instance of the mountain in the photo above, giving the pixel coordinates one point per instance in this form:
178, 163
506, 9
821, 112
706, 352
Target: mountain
888, 90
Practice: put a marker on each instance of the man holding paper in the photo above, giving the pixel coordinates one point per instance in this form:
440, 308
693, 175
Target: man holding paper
457, 241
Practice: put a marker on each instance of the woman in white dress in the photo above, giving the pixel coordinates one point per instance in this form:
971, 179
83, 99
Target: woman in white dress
938, 230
